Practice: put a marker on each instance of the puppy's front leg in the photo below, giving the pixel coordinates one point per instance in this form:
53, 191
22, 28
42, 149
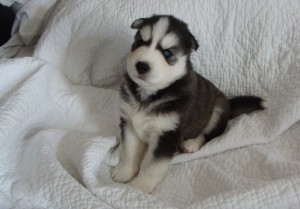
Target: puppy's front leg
155, 164
131, 153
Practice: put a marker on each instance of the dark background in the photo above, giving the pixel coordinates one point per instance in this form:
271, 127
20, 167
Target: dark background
7, 18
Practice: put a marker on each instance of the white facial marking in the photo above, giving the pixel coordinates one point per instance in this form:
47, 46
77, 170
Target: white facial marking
161, 73
159, 30
169, 40
146, 33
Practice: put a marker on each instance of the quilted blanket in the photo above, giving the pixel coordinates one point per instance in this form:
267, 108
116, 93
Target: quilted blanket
59, 107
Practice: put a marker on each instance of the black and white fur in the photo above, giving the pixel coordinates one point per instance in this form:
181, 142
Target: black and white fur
165, 104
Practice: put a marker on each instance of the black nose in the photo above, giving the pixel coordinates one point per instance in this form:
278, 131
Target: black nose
142, 67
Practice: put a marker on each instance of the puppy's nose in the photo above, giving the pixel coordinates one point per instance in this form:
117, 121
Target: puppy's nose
142, 67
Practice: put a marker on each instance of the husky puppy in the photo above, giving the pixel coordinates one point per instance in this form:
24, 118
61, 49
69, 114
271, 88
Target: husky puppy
165, 104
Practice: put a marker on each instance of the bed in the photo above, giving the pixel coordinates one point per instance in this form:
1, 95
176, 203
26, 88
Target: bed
59, 77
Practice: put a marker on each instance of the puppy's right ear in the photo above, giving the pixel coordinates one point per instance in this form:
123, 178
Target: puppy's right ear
138, 23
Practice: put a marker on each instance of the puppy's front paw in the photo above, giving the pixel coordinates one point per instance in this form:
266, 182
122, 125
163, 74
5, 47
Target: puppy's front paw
144, 184
123, 173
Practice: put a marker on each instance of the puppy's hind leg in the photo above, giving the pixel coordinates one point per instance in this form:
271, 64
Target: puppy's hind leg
215, 127
218, 122
192, 145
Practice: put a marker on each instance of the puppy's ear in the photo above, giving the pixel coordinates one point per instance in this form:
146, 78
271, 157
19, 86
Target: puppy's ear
138, 23
194, 43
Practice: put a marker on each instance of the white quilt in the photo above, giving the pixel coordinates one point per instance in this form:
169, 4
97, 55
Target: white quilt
59, 110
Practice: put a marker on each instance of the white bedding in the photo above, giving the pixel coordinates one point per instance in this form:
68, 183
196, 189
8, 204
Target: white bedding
59, 109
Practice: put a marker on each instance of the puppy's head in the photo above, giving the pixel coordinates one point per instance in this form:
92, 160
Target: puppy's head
160, 51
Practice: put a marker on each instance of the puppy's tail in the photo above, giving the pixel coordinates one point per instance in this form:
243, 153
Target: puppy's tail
246, 104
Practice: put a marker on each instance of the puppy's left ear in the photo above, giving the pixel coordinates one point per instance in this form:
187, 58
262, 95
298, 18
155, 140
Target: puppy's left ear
194, 43
138, 23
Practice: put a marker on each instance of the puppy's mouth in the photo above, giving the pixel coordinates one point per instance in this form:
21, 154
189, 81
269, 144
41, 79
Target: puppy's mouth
141, 77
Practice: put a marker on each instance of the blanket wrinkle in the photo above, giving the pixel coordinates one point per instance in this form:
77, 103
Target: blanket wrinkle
59, 108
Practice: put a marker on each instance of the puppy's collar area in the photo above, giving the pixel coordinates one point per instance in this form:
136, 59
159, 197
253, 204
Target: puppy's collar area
138, 92
145, 94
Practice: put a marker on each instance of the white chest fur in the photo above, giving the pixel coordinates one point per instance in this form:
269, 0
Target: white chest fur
148, 125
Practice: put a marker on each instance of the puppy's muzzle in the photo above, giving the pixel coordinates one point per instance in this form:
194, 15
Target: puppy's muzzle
142, 67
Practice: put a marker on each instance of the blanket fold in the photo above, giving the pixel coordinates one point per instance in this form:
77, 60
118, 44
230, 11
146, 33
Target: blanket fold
59, 109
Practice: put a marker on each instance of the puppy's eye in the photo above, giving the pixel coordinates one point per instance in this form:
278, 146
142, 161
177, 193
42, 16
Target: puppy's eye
167, 53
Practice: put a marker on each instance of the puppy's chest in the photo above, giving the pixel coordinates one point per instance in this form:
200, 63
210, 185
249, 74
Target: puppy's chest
145, 123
